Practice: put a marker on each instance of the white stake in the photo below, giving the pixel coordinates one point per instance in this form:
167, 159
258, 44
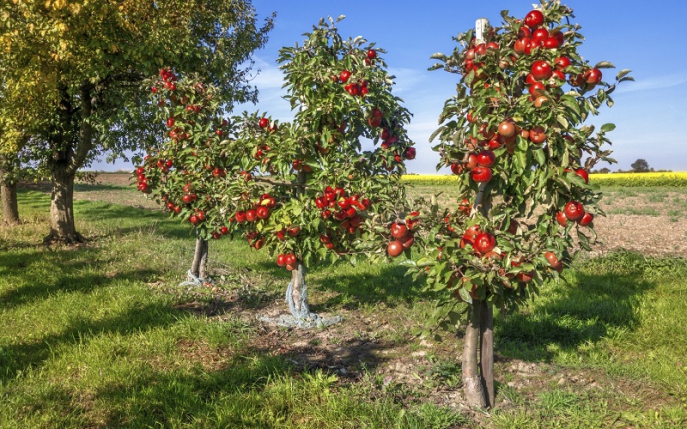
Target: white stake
480, 28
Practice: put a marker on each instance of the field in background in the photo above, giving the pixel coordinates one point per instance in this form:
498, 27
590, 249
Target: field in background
675, 180
102, 335
651, 220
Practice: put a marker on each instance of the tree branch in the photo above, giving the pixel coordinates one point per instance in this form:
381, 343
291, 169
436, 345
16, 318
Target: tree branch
85, 142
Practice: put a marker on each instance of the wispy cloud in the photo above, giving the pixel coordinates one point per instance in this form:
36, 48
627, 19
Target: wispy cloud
653, 83
266, 75
407, 79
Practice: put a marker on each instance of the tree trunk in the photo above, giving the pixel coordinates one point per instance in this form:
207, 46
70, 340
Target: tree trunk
62, 228
75, 128
486, 363
200, 259
472, 381
10, 207
297, 294
8, 190
479, 379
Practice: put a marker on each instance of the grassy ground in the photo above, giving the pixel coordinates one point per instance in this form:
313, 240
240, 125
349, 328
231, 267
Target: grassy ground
102, 336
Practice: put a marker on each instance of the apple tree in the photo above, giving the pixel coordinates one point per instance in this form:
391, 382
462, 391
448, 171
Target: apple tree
515, 135
194, 169
328, 198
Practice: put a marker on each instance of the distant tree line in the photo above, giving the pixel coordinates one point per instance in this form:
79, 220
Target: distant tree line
639, 166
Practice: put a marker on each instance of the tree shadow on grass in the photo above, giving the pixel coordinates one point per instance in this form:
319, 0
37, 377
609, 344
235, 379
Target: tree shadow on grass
602, 295
24, 354
236, 394
191, 389
123, 220
93, 187
42, 273
118, 219
389, 286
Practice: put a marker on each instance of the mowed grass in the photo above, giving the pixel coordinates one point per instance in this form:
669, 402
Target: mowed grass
102, 336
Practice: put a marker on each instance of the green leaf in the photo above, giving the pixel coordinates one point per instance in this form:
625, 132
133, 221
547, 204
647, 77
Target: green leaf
465, 295
604, 65
424, 261
607, 127
622, 73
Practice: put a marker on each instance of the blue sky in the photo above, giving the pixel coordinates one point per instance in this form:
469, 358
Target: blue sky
646, 37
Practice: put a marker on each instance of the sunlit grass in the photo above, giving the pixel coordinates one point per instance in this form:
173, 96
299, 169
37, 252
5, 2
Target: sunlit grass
101, 336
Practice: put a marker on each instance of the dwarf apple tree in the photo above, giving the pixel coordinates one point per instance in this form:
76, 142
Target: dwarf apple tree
195, 169
328, 197
515, 135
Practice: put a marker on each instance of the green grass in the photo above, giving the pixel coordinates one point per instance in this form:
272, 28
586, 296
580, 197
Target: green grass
102, 336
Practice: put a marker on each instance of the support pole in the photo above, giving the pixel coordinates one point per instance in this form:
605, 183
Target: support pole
478, 379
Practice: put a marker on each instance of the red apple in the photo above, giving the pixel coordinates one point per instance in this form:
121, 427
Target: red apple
485, 158
586, 219
534, 19
573, 211
262, 212
583, 174
553, 261
484, 242
481, 174
398, 230
394, 248
561, 219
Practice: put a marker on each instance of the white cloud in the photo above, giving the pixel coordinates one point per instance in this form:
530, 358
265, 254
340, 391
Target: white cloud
654, 83
406, 79
266, 75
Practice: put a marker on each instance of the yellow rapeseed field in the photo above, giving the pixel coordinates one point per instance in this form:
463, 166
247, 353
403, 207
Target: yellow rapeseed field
678, 180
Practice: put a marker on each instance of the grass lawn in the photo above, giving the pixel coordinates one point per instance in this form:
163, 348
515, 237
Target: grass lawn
102, 336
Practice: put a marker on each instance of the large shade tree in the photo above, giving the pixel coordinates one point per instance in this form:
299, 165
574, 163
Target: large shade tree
93, 57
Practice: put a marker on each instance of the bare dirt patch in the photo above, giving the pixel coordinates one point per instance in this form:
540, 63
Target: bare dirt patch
653, 222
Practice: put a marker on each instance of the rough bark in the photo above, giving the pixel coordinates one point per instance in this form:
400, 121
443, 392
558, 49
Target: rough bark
10, 206
8, 191
297, 292
62, 227
472, 382
200, 259
486, 363
478, 378
67, 158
